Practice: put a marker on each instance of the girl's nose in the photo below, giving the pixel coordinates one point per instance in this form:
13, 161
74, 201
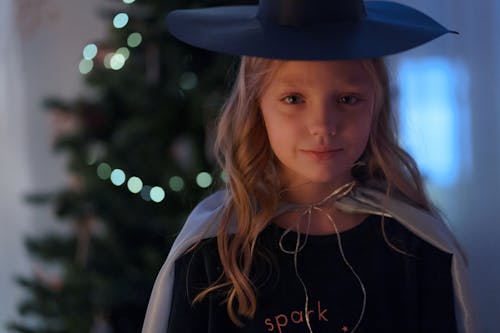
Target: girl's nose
322, 121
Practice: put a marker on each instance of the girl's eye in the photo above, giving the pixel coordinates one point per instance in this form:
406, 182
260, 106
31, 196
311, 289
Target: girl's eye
348, 99
293, 99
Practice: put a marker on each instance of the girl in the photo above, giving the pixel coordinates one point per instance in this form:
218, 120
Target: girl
324, 225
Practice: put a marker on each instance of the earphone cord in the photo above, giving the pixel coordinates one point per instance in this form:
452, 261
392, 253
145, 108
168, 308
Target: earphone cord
342, 191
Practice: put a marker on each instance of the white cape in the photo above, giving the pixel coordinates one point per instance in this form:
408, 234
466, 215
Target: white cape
204, 220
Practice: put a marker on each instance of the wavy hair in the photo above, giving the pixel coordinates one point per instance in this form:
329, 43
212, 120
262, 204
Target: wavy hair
244, 153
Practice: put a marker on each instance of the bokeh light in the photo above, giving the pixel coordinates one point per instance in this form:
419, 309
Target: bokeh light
176, 183
134, 184
107, 60
85, 66
117, 61
146, 193
188, 81
224, 177
95, 152
204, 179
91, 158
103, 171
128, 1
120, 20
134, 39
149, 193
117, 177
157, 194
124, 52
90, 51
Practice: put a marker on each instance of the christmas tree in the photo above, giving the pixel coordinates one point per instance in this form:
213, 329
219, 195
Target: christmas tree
138, 160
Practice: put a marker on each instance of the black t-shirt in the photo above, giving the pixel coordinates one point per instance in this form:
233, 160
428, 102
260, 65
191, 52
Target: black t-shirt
405, 292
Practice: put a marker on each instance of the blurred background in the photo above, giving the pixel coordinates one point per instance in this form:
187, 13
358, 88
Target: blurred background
105, 138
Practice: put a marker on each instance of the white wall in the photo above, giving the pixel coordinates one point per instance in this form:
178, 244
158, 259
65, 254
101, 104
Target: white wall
40, 56
472, 202
15, 177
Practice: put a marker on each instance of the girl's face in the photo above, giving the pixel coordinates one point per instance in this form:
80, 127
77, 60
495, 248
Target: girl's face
318, 116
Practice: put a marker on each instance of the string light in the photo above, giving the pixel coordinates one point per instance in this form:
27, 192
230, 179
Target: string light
90, 51
150, 193
103, 171
85, 66
224, 177
134, 184
134, 39
145, 193
188, 81
157, 194
107, 60
117, 61
114, 60
117, 177
120, 20
176, 183
124, 52
204, 179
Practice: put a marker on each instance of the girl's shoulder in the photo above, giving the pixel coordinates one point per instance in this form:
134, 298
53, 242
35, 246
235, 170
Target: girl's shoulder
400, 238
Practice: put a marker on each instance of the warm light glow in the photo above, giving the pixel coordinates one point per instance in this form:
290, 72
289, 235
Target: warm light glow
134, 184
204, 179
103, 171
176, 183
118, 177
157, 194
120, 20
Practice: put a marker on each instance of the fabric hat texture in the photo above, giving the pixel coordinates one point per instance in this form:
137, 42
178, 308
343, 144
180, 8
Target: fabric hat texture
306, 29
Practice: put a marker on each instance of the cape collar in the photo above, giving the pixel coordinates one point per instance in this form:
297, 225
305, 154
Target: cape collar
204, 220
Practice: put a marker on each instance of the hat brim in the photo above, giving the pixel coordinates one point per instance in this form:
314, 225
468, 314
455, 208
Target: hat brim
388, 28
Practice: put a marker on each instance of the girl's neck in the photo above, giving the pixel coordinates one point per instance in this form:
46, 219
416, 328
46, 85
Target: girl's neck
320, 220
309, 193
320, 223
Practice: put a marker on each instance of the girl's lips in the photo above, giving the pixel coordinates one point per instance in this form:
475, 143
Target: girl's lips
322, 154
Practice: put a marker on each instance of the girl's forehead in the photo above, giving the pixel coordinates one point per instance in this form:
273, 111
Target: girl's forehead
304, 72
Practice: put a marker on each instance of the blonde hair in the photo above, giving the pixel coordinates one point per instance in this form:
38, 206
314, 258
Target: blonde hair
244, 153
